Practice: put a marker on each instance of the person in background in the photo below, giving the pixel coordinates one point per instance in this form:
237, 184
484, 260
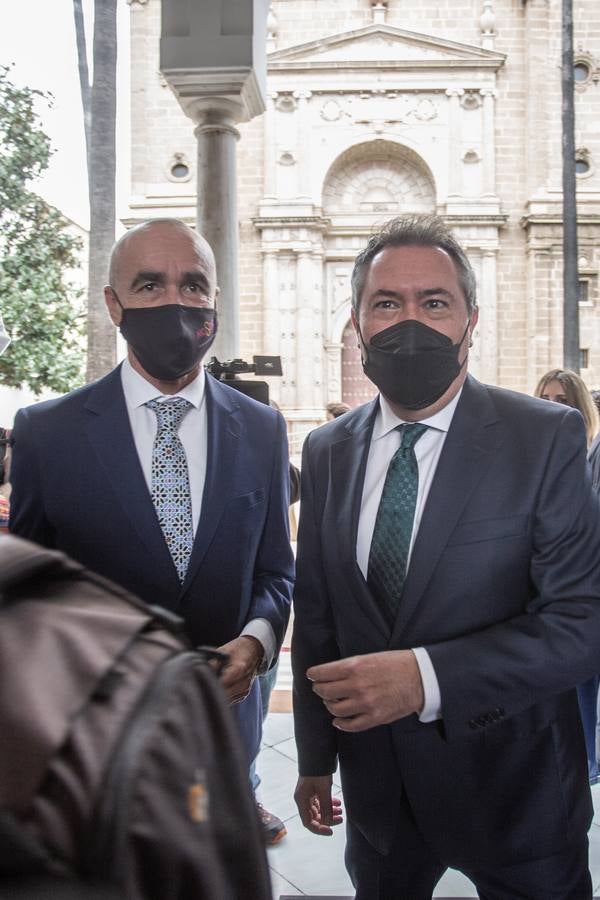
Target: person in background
4, 451
447, 602
163, 479
4, 478
594, 451
568, 388
335, 410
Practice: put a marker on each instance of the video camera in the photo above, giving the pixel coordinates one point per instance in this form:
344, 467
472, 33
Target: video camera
230, 371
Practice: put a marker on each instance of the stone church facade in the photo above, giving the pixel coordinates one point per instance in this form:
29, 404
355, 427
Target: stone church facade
380, 108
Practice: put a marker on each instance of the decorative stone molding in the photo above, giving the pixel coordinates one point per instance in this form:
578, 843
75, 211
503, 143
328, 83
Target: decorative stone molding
136, 2
582, 155
176, 167
286, 159
286, 103
471, 100
272, 30
379, 8
471, 156
487, 24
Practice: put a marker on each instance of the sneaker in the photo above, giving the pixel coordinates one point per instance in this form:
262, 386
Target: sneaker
273, 828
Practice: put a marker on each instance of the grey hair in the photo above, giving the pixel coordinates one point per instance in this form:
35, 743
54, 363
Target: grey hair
414, 231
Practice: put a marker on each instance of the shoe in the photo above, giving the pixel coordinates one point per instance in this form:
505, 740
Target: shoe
273, 828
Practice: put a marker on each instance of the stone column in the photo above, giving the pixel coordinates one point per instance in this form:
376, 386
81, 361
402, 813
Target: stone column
217, 216
213, 56
270, 182
489, 144
454, 162
309, 334
303, 148
488, 319
271, 317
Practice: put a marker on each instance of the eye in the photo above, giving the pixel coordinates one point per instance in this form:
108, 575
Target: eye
148, 286
436, 303
386, 303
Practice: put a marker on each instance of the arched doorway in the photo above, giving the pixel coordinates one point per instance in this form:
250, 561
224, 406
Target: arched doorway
356, 387
365, 186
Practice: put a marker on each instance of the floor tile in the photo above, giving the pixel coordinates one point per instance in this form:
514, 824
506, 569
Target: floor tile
278, 774
454, 884
280, 885
278, 727
315, 865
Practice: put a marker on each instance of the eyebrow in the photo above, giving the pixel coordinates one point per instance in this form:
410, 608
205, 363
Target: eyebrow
159, 278
427, 292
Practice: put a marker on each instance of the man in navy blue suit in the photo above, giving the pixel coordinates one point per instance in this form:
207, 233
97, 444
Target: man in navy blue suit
447, 603
89, 478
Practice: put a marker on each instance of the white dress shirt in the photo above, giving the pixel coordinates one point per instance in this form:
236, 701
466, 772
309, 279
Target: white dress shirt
193, 436
385, 440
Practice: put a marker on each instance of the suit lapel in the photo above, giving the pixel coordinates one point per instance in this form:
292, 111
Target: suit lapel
348, 465
466, 455
224, 429
109, 433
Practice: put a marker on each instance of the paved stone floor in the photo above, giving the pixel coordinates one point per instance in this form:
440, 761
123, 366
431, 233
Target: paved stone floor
303, 864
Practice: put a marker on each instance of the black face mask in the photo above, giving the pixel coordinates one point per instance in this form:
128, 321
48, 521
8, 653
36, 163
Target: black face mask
411, 363
169, 341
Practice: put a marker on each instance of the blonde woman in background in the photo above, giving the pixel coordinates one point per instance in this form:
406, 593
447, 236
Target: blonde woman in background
564, 386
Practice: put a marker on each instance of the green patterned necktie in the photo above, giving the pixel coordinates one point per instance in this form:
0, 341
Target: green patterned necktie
388, 555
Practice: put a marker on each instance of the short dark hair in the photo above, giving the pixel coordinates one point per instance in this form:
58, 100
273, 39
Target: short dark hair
414, 231
337, 409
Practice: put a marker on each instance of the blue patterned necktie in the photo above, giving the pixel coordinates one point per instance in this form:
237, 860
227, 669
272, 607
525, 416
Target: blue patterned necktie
388, 555
171, 483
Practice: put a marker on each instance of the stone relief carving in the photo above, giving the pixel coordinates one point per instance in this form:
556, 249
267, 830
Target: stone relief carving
470, 100
286, 103
286, 159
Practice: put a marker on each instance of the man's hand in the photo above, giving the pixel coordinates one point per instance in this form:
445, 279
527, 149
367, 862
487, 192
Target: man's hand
245, 656
374, 689
318, 809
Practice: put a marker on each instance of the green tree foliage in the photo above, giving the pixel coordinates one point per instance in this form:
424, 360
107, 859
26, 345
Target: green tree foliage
42, 311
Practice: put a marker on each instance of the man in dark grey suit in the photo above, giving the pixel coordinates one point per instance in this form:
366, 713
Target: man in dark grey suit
208, 540
447, 603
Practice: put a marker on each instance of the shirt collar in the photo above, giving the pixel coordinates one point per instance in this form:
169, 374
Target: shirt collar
387, 419
138, 391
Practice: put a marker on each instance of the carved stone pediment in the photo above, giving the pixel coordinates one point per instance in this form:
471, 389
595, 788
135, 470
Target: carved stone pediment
383, 45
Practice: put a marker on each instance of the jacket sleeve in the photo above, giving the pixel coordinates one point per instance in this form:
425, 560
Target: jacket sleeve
313, 640
273, 578
554, 644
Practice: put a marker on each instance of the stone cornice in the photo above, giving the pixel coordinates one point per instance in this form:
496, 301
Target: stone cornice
316, 222
556, 219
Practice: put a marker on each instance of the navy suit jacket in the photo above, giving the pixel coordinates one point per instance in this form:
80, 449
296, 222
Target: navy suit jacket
77, 485
503, 590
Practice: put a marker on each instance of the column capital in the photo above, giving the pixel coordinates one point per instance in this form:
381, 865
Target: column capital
488, 92
454, 92
214, 115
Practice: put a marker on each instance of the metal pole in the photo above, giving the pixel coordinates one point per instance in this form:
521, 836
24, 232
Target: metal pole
570, 275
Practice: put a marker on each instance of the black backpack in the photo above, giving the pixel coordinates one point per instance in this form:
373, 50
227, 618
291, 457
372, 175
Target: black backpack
121, 770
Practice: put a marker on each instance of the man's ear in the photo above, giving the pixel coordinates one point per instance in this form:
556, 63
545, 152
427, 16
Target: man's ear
113, 306
473, 319
354, 320
216, 297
